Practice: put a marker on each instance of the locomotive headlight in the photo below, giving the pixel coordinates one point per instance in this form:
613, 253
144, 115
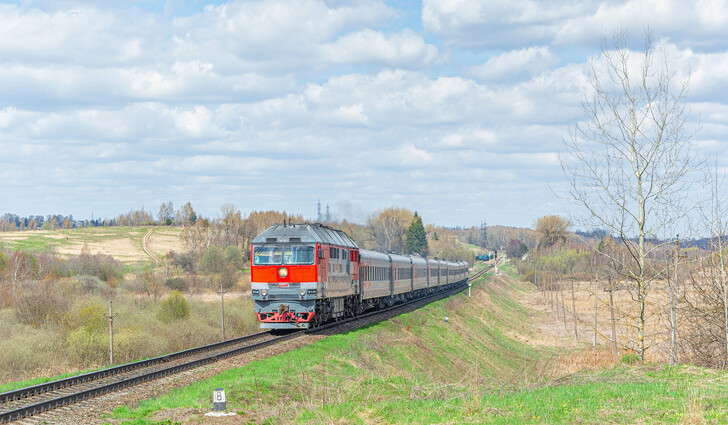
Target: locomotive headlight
263, 292
283, 272
302, 293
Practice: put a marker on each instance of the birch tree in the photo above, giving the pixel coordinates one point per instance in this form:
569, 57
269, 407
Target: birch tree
629, 162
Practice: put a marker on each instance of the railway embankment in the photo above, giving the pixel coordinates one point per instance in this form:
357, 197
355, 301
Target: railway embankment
487, 358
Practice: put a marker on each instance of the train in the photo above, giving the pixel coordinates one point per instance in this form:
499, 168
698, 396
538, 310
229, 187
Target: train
487, 257
306, 274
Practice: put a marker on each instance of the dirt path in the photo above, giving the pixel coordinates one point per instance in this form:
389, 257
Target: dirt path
145, 247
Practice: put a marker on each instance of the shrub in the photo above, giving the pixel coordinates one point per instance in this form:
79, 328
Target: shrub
92, 318
529, 276
213, 259
176, 283
189, 333
630, 358
88, 348
240, 317
185, 261
28, 352
90, 284
4, 261
40, 307
134, 343
229, 277
103, 267
234, 257
174, 307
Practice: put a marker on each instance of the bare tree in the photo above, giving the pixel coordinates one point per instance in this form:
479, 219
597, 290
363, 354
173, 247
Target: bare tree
387, 229
231, 225
552, 230
629, 162
709, 304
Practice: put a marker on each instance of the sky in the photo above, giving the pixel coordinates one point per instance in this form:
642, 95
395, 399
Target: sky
456, 109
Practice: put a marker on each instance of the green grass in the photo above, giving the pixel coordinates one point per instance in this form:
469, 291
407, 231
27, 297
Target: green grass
475, 368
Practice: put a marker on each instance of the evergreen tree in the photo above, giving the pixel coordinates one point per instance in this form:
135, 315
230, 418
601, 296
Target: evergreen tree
416, 242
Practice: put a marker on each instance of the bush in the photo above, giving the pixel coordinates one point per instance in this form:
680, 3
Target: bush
212, 260
240, 317
4, 261
229, 277
234, 257
29, 352
40, 307
93, 318
134, 343
176, 283
186, 262
529, 276
90, 284
88, 348
174, 307
103, 267
630, 358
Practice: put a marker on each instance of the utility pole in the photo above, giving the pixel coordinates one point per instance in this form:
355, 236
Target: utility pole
318, 217
222, 310
111, 332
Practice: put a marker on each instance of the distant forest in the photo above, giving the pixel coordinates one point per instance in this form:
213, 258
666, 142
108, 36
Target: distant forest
167, 215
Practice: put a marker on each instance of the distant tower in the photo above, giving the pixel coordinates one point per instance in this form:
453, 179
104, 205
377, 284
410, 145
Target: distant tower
328, 214
318, 217
484, 235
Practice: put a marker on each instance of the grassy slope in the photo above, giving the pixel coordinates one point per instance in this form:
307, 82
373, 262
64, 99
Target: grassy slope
417, 368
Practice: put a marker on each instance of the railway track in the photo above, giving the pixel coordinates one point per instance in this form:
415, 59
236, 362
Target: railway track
29, 401
32, 400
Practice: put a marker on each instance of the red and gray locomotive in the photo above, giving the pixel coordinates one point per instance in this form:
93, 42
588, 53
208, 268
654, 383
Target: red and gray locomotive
303, 275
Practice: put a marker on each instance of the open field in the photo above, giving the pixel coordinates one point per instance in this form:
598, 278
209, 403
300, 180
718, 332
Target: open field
497, 360
122, 243
657, 323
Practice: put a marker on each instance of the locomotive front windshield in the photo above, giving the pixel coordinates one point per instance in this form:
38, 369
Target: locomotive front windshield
264, 255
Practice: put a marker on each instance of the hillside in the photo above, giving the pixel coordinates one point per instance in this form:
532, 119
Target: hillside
122, 243
496, 360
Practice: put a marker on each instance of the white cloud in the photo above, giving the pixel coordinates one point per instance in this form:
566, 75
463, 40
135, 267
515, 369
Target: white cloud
468, 137
475, 23
515, 64
406, 49
271, 35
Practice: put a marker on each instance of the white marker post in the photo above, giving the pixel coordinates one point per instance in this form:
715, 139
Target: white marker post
218, 400
469, 285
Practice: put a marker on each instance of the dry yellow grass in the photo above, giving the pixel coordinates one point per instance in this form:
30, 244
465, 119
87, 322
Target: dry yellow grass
165, 239
657, 320
122, 243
